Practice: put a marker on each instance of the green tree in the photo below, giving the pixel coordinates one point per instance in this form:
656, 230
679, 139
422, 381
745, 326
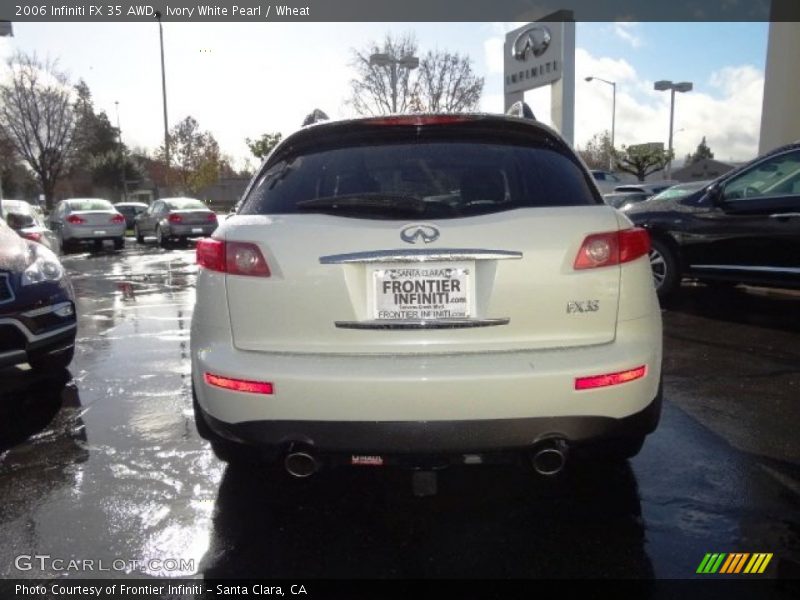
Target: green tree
37, 115
598, 153
642, 160
702, 152
195, 158
262, 146
99, 158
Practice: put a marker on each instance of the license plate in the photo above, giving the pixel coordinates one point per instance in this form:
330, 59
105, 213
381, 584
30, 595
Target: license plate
99, 232
197, 230
422, 291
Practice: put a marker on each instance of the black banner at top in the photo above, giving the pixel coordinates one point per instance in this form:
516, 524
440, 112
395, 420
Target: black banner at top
397, 10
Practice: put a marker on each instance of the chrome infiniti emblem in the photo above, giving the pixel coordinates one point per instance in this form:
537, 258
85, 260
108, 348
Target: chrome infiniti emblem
535, 40
414, 233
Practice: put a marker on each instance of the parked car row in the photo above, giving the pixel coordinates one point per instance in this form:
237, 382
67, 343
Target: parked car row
78, 221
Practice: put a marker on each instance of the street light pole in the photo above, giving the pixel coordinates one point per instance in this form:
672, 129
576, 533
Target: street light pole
121, 155
613, 85
381, 59
164, 97
661, 86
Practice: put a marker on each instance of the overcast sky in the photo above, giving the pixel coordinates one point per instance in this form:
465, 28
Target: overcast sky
242, 79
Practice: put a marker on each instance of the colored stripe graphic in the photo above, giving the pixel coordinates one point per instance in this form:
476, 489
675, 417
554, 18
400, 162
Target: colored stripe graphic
758, 563
711, 563
741, 562
734, 563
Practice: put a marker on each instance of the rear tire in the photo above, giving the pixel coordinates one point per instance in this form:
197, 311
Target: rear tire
139, 236
163, 242
119, 243
52, 362
666, 273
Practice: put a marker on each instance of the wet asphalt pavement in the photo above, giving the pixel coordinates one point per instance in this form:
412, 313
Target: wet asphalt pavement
103, 461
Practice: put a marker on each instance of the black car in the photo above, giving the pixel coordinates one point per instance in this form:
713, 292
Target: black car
37, 305
741, 228
130, 210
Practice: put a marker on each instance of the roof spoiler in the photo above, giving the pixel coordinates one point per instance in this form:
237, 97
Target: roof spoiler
315, 116
521, 110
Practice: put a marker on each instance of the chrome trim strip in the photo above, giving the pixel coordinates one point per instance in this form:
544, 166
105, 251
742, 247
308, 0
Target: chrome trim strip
403, 255
35, 338
793, 270
46, 309
787, 215
421, 324
13, 354
5, 280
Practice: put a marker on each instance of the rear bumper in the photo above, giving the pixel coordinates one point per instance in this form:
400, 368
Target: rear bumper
78, 234
429, 402
21, 342
192, 230
437, 437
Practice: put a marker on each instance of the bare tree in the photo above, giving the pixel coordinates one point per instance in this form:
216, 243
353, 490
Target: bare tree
446, 83
375, 87
598, 153
443, 82
38, 116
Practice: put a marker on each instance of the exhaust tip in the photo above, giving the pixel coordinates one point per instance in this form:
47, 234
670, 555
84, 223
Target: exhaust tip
550, 458
300, 464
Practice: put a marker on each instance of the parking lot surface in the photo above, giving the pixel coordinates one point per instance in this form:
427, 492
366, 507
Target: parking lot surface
103, 461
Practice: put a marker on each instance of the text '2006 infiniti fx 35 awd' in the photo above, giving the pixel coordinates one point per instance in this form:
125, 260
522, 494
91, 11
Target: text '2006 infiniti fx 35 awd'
426, 285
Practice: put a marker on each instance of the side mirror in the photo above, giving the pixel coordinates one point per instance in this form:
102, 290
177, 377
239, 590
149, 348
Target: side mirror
715, 195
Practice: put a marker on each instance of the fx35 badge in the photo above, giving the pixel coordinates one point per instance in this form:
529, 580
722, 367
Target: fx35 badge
582, 306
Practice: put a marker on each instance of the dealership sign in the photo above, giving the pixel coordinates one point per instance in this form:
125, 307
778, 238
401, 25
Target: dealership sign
533, 56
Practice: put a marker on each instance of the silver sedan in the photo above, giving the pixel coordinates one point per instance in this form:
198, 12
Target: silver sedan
178, 219
93, 220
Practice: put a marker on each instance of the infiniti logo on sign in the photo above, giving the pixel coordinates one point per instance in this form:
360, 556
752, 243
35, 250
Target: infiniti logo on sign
414, 233
534, 41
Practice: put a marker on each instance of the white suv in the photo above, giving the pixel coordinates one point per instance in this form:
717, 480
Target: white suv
425, 285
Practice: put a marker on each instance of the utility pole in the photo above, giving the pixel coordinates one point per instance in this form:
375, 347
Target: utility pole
164, 98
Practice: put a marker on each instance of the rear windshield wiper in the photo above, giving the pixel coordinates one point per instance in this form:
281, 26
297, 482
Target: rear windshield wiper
366, 201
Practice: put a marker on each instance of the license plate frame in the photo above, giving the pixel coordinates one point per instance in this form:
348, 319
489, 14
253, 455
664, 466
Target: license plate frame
394, 295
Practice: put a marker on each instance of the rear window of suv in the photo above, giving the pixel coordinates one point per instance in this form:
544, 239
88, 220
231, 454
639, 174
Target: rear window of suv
410, 176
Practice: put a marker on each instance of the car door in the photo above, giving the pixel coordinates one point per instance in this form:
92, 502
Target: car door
147, 222
751, 230
57, 218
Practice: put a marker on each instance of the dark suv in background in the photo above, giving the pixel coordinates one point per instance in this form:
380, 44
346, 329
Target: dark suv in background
741, 228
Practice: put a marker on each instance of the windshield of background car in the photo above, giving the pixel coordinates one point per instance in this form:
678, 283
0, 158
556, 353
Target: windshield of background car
185, 204
777, 176
679, 191
90, 205
411, 176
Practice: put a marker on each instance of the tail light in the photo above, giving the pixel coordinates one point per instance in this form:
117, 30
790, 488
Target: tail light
420, 120
174, 218
33, 236
239, 385
234, 258
117, 219
612, 248
75, 220
596, 381
212, 218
